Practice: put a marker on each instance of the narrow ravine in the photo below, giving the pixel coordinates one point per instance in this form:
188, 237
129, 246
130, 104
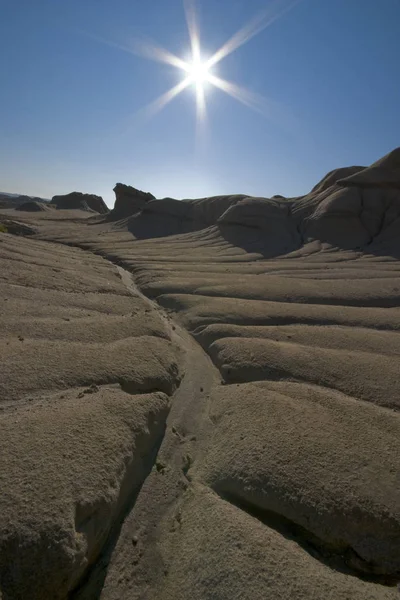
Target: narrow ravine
187, 429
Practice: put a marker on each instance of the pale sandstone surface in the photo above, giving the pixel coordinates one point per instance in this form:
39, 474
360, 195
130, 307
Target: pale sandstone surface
242, 435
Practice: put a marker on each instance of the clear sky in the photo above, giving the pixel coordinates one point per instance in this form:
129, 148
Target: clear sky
71, 106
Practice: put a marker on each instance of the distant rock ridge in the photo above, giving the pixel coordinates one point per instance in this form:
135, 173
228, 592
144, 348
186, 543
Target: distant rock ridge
33, 206
350, 207
80, 201
15, 200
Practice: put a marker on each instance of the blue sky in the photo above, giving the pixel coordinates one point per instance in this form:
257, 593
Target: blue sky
70, 105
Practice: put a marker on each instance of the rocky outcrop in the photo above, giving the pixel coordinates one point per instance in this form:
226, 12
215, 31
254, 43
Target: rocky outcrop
334, 176
80, 201
269, 219
15, 200
169, 216
385, 172
362, 208
128, 201
77, 439
15, 227
203, 211
351, 207
33, 206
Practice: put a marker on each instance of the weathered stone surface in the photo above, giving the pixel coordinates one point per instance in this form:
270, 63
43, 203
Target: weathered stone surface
80, 201
128, 201
270, 468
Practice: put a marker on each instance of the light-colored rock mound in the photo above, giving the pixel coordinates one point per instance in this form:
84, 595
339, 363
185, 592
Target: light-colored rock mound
310, 292
353, 217
357, 209
74, 364
80, 201
199, 311
220, 551
83, 406
353, 338
73, 465
322, 460
360, 374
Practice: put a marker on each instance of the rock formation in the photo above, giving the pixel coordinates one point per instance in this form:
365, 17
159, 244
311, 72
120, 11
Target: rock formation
15, 200
202, 400
33, 206
80, 201
350, 207
128, 201
361, 206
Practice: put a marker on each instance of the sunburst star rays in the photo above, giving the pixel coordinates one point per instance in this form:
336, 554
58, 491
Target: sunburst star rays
198, 71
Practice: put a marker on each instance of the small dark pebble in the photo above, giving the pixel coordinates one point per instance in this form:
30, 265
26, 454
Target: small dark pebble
91, 390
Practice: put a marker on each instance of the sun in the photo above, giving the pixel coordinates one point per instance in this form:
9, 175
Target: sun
198, 72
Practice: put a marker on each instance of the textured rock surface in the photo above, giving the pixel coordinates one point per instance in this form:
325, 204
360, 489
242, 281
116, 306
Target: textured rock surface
128, 201
218, 416
87, 370
79, 201
15, 200
33, 206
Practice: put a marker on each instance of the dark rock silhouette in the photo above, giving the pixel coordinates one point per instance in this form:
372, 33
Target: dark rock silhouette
15, 200
128, 201
33, 206
80, 201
